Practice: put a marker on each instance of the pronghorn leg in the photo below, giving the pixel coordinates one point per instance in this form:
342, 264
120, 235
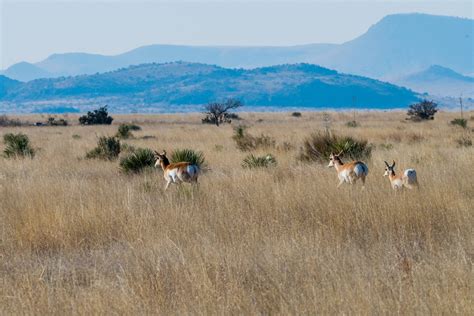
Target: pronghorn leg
363, 181
167, 184
340, 183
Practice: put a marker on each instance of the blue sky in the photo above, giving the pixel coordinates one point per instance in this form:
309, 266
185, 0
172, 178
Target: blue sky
32, 30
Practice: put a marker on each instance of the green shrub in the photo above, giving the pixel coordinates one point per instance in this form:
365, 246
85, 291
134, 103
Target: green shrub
124, 131
252, 161
425, 110
137, 160
459, 122
52, 121
17, 146
108, 148
188, 155
134, 127
75, 136
99, 116
352, 124
247, 142
318, 147
296, 114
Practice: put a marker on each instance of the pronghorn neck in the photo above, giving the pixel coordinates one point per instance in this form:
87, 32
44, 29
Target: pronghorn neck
392, 175
338, 164
164, 162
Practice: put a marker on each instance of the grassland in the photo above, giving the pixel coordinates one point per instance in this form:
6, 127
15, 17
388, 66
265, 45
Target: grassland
79, 237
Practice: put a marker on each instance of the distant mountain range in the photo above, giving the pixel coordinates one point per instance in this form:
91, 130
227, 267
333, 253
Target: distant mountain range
439, 81
396, 46
182, 86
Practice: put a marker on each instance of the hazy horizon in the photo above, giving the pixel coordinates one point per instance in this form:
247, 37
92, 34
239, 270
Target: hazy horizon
33, 30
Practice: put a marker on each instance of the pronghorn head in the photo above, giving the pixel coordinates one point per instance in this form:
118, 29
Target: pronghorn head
161, 158
333, 158
389, 169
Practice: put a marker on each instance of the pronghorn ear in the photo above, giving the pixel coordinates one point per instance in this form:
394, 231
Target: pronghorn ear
341, 153
164, 152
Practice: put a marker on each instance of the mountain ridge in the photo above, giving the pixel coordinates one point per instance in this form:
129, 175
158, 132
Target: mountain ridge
397, 45
180, 85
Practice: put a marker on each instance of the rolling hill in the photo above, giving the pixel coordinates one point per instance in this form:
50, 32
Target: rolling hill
439, 81
178, 86
395, 46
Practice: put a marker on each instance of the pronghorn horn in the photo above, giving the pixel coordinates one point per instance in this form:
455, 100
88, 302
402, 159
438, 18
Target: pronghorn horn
393, 164
386, 163
164, 152
157, 153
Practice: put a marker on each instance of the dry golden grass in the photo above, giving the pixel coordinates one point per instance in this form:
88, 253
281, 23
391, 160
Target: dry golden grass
79, 237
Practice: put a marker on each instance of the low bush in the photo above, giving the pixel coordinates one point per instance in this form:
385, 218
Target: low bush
352, 124
424, 110
464, 141
137, 160
247, 142
5, 121
296, 114
52, 121
188, 155
108, 148
17, 146
459, 122
96, 117
318, 146
251, 161
124, 132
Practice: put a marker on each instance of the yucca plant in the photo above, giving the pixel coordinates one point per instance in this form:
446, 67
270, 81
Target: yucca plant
108, 148
318, 147
17, 146
252, 161
137, 160
188, 155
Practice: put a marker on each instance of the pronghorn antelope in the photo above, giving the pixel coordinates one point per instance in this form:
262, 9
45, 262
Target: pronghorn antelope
407, 179
349, 172
176, 172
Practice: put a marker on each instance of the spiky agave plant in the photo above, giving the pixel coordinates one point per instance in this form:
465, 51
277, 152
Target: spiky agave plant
137, 160
252, 161
188, 155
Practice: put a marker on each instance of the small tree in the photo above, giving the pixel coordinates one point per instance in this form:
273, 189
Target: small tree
99, 116
425, 110
218, 113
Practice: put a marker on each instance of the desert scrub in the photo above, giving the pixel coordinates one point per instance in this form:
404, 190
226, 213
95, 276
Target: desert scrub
188, 155
251, 161
17, 146
137, 160
108, 148
246, 142
464, 141
459, 122
318, 146
352, 124
125, 130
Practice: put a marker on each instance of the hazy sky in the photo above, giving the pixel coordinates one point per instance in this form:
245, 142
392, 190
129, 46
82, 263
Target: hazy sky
32, 30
